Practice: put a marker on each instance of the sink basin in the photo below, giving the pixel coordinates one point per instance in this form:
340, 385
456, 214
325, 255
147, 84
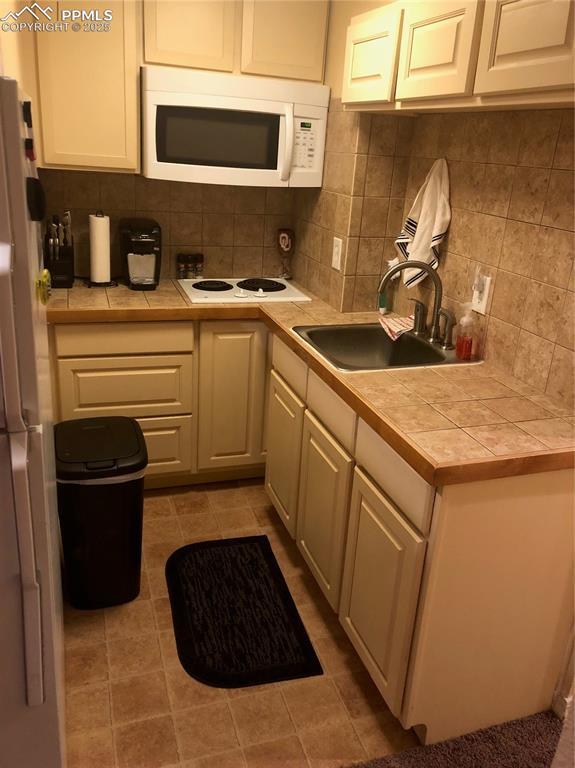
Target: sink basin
367, 347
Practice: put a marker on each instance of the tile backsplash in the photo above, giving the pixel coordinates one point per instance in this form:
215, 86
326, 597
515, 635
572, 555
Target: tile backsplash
511, 180
234, 227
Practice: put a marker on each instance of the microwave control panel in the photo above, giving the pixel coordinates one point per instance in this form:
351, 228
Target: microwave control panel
304, 143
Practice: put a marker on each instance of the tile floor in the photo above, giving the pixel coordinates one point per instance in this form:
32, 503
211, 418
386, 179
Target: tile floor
131, 705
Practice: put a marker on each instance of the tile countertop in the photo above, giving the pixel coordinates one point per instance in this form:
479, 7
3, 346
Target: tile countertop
452, 424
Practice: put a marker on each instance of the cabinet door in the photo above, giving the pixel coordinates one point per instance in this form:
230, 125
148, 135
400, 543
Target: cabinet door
382, 574
231, 394
169, 444
284, 430
325, 479
525, 45
439, 45
284, 38
88, 84
371, 52
191, 33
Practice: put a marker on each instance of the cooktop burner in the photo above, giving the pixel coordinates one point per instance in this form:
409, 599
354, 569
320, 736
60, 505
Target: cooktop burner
261, 283
235, 290
213, 285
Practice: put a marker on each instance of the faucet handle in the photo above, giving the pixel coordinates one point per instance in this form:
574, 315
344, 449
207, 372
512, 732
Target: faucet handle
450, 321
419, 317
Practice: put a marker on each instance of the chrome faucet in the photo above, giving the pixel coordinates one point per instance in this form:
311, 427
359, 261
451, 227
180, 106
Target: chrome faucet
435, 335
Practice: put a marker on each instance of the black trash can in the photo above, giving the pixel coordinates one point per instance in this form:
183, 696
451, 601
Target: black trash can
100, 467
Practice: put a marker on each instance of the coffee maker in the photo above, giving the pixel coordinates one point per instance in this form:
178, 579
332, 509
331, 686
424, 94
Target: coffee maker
141, 250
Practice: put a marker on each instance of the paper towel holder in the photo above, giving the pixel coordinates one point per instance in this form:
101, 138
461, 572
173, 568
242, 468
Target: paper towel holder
100, 283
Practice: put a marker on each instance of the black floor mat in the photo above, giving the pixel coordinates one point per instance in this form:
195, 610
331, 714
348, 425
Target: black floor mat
235, 621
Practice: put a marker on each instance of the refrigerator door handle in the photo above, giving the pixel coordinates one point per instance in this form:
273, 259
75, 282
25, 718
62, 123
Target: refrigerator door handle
8, 344
31, 607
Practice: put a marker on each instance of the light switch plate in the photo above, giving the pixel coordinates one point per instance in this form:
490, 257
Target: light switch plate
481, 294
336, 253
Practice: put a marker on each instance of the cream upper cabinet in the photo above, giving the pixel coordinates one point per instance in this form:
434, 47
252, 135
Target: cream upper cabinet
371, 51
325, 481
380, 588
439, 45
84, 79
526, 44
232, 358
191, 33
284, 430
284, 38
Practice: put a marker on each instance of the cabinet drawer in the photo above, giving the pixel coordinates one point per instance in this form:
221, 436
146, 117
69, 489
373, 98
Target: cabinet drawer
330, 409
158, 385
401, 483
169, 443
123, 338
291, 367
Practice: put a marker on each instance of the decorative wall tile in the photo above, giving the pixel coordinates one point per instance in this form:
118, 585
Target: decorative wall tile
566, 329
562, 375
218, 229
369, 256
384, 130
218, 198
151, 194
497, 187
506, 128
251, 200
533, 359
509, 297
185, 228
374, 216
539, 137
247, 261
564, 149
519, 247
559, 206
185, 197
248, 229
554, 253
118, 190
543, 305
379, 175
528, 195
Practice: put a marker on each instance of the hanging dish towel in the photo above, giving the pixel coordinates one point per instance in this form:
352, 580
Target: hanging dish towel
426, 223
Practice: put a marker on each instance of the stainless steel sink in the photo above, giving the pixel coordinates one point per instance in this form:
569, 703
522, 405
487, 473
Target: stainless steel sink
367, 346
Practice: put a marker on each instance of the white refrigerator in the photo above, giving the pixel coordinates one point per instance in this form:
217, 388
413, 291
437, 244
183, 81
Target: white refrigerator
31, 652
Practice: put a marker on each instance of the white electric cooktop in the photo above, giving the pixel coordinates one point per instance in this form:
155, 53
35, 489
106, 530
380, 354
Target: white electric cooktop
241, 290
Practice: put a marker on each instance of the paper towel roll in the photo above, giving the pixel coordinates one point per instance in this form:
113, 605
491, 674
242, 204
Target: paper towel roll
99, 248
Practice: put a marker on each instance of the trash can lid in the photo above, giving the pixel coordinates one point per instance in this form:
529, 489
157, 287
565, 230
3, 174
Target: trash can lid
106, 446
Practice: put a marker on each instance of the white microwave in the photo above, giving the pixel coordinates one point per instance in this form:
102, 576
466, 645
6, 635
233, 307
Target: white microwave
232, 129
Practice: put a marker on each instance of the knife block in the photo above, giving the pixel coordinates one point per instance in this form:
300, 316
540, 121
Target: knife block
62, 268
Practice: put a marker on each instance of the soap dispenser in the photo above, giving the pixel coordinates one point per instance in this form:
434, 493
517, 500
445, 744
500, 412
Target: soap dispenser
464, 343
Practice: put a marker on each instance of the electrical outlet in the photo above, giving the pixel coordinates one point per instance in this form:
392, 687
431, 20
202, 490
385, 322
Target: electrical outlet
336, 253
481, 294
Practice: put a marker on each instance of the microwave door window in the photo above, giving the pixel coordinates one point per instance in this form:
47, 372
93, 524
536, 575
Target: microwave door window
217, 137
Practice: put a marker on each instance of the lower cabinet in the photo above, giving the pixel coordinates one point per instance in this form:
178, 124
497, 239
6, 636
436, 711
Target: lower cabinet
380, 587
284, 431
169, 443
325, 479
232, 358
